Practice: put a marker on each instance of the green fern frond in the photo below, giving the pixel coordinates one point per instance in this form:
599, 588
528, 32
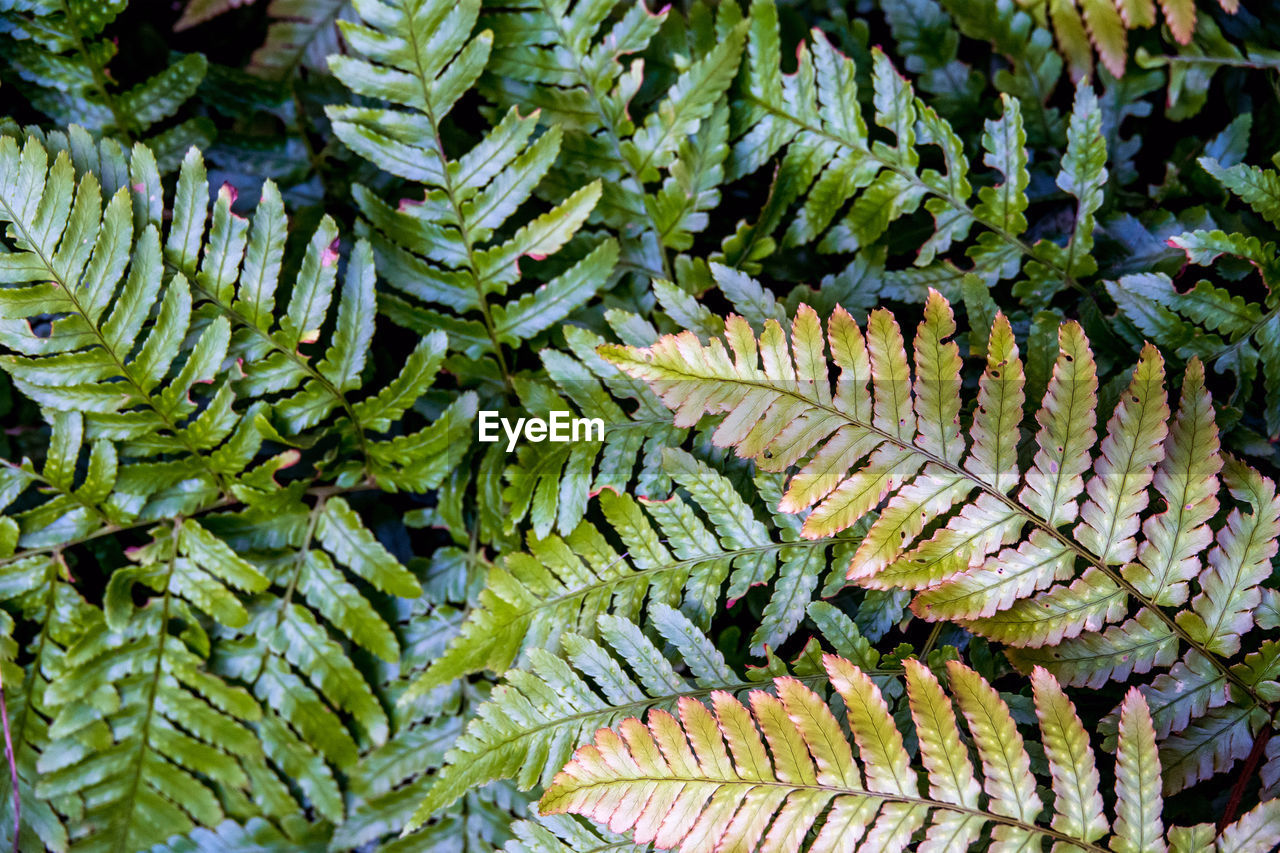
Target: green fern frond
1222, 328
674, 782
55, 53
1028, 46
561, 834
303, 677
92, 358
1032, 567
138, 717
561, 583
1256, 187
550, 485
386, 785
255, 834
452, 246
220, 664
131, 388
927, 34
581, 71
39, 589
831, 164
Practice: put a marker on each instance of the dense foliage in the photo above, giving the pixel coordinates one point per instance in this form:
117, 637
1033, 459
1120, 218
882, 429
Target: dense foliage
936, 346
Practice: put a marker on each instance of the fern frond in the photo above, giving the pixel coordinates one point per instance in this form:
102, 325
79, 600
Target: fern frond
56, 55
535, 718
951, 521
167, 720
1027, 43
133, 388
1107, 23
927, 33
303, 677
301, 35
385, 786
705, 779
94, 359
1224, 329
580, 71
37, 587
255, 834
1259, 188
560, 834
673, 556
221, 659
198, 11
450, 246
830, 164
550, 485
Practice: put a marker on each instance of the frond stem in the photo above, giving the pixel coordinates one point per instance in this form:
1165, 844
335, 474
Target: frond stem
1246, 774
111, 529
301, 363
299, 559
99, 77
675, 565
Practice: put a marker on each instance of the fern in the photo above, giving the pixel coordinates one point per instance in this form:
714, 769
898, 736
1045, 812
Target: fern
557, 834
928, 36
560, 584
550, 486
131, 375
254, 834
39, 587
1038, 38
580, 73
384, 787
535, 718
53, 50
1210, 322
1027, 45
831, 160
198, 11
1195, 67
1001, 562
447, 247
673, 782
301, 35
265, 583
